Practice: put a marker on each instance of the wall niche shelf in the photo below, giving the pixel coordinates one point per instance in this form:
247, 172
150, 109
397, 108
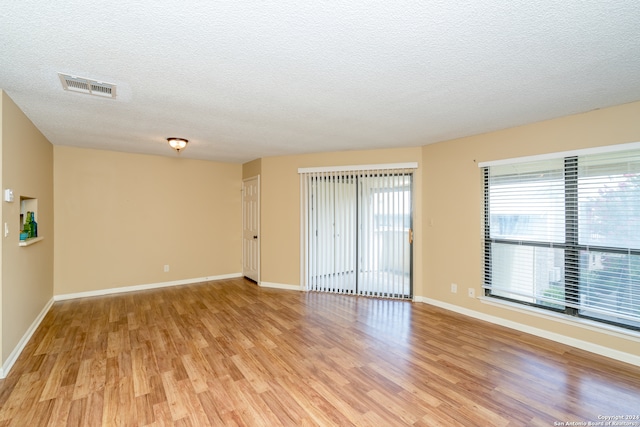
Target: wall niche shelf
28, 204
30, 241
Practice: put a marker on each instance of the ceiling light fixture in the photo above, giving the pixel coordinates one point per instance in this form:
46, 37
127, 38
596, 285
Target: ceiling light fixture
177, 144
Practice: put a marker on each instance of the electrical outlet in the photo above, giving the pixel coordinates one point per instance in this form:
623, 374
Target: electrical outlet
454, 288
166, 268
472, 293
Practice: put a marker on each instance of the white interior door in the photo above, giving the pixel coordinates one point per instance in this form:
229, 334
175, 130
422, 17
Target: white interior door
251, 228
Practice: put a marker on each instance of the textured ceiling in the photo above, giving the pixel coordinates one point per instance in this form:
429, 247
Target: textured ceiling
249, 79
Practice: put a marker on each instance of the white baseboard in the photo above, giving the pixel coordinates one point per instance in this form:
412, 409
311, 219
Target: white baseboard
134, 288
8, 364
563, 339
280, 286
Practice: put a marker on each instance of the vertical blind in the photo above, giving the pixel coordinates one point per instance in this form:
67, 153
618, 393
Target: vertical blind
564, 234
356, 231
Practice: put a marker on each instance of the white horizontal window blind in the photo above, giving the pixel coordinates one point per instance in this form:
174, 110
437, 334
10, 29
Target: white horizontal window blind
564, 234
357, 231
527, 209
608, 249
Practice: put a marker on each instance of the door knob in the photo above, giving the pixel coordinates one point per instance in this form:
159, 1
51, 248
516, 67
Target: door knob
255, 237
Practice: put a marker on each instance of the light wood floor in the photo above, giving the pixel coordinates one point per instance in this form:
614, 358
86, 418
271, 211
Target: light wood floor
231, 353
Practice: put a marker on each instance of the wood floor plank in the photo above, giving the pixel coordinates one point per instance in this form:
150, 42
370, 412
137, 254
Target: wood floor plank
144, 410
175, 400
82, 386
54, 379
345, 406
61, 408
162, 415
197, 416
19, 397
216, 404
234, 354
287, 410
143, 367
247, 415
198, 371
320, 410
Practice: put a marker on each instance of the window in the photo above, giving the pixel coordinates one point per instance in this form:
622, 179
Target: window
564, 234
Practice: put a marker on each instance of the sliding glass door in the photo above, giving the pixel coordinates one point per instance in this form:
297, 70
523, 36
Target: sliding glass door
358, 232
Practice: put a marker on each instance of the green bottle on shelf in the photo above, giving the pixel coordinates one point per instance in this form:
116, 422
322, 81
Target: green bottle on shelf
27, 225
34, 225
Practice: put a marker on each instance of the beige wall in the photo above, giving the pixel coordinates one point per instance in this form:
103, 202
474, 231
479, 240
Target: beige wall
121, 217
252, 168
27, 272
452, 203
280, 207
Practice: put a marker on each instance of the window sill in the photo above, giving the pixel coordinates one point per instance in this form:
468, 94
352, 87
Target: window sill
30, 241
563, 318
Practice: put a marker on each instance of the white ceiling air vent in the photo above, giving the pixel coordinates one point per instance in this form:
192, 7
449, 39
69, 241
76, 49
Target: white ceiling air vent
88, 86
